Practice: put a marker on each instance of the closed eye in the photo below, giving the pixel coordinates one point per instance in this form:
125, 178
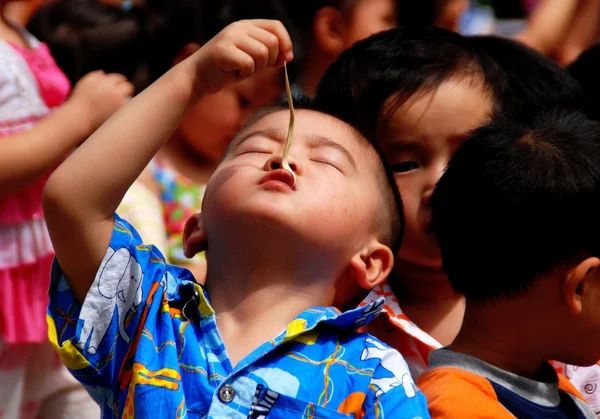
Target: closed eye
255, 152
405, 166
328, 163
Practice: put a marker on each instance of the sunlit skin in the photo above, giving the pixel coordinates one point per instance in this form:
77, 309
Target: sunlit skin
418, 140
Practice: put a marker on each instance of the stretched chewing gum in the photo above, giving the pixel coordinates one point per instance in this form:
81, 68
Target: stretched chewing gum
288, 142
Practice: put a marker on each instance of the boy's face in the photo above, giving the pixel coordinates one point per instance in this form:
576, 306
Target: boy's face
418, 141
369, 17
333, 204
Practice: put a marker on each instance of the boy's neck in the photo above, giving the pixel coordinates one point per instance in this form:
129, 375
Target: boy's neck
257, 292
426, 297
506, 335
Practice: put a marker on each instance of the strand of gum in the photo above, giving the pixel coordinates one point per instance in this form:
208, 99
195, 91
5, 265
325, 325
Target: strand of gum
288, 142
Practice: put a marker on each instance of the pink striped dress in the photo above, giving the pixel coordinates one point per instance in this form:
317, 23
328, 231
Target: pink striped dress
31, 84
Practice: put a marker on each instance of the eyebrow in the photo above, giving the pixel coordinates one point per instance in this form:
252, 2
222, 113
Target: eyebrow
314, 141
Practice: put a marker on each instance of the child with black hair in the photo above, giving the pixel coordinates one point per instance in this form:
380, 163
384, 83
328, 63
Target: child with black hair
329, 27
87, 35
516, 216
172, 187
288, 249
417, 93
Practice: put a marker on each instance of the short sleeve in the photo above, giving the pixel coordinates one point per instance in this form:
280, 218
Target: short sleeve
393, 391
94, 338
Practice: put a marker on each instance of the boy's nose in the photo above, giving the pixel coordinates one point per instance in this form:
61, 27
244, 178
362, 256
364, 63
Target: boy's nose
274, 163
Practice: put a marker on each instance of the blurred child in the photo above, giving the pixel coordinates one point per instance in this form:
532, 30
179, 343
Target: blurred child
516, 216
329, 27
35, 135
172, 187
418, 93
87, 35
285, 256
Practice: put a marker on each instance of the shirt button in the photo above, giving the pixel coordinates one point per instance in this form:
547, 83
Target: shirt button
226, 393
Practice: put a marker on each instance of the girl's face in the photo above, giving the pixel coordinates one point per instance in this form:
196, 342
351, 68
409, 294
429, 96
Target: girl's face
369, 17
417, 141
211, 125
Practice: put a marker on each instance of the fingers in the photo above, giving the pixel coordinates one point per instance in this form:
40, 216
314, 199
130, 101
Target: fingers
276, 28
269, 41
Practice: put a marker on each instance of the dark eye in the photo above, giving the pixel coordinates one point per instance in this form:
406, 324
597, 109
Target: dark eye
405, 166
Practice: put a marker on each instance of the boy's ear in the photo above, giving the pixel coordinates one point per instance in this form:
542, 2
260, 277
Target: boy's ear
187, 51
329, 30
371, 267
194, 237
576, 283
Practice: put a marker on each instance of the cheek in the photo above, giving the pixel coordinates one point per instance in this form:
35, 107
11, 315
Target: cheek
411, 198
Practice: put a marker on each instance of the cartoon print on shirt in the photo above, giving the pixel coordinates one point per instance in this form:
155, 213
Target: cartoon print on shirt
116, 289
371, 310
393, 362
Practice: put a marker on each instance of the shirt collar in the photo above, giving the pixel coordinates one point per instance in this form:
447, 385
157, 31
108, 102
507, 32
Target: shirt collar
396, 318
184, 291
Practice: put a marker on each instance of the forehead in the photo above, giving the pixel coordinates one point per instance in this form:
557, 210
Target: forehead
309, 124
453, 109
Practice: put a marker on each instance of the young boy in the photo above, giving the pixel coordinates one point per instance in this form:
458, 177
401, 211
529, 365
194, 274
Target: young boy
516, 215
418, 92
284, 256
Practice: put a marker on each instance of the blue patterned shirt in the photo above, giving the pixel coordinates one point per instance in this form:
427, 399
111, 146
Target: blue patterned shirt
145, 344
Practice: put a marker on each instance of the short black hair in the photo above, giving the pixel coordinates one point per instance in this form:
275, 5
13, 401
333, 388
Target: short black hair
398, 63
87, 35
517, 202
390, 213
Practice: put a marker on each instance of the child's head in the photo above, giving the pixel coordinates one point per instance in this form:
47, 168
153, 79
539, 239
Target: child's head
418, 92
516, 214
342, 215
179, 28
328, 27
86, 35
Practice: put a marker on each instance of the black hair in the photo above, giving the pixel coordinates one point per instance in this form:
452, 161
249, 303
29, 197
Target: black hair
401, 62
517, 202
585, 70
87, 35
175, 23
396, 63
391, 215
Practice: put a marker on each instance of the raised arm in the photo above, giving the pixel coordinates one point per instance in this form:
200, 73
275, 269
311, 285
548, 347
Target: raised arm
582, 33
548, 24
81, 196
29, 154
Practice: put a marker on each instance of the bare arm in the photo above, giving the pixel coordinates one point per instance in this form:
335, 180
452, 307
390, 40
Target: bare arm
82, 195
548, 24
582, 33
29, 154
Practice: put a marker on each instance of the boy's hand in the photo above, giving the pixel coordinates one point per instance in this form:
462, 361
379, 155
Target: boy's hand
98, 95
240, 50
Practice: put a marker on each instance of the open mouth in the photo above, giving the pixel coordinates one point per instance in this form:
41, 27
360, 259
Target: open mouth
279, 176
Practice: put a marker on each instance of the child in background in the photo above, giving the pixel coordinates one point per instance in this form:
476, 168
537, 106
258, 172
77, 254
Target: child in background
87, 35
287, 250
516, 216
417, 93
36, 133
329, 27
172, 187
